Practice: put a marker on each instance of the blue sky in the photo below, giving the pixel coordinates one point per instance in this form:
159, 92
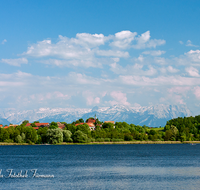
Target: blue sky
88, 53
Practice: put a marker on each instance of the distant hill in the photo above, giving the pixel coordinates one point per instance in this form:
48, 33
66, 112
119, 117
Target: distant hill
153, 116
4, 121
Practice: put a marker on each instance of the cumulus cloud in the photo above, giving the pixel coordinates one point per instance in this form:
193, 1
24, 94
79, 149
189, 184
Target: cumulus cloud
136, 69
123, 39
90, 50
192, 71
90, 98
4, 41
189, 43
83, 79
15, 62
127, 39
154, 53
158, 81
119, 98
196, 91
194, 56
160, 60
144, 41
179, 90
172, 70
112, 53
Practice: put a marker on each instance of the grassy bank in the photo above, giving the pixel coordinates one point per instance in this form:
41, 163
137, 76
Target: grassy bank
122, 142
5, 143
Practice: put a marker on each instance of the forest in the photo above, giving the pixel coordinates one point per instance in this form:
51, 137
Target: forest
177, 129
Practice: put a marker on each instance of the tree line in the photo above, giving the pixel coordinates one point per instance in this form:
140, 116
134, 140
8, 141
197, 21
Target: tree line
178, 129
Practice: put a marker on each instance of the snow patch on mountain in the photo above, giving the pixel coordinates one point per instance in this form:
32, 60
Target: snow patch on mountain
153, 116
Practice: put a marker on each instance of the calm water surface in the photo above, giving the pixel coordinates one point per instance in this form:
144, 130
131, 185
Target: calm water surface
102, 166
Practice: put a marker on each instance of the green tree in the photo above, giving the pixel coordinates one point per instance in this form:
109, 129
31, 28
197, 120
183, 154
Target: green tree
108, 125
31, 135
33, 125
54, 136
25, 122
18, 139
71, 127
67, 136
168, 135
84, 128
4, 135
80, 137
81, 120
42, 131
53, 125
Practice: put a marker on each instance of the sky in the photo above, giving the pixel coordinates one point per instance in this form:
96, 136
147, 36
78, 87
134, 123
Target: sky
86, 53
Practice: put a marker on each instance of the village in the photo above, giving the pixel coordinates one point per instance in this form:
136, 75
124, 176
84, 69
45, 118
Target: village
91, 122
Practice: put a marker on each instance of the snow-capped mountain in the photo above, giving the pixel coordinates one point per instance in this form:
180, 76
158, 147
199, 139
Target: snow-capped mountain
153, 116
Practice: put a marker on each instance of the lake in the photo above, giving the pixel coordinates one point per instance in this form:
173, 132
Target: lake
134, 166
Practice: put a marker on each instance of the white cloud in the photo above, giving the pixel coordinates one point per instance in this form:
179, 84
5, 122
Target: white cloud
159, 81
154, 53
189, 43
192, 71
181, 42
90, 50
160, 60
4, 41
91, 40
172, 70
196, 91
83, 79
123, 39
179, 89
73, 62
194, 56
15, 62
144, 41
90, 98
136, 69
119, 98
60, 95
112, 53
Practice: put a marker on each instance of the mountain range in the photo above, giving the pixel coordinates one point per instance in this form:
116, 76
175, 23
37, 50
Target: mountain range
153, 116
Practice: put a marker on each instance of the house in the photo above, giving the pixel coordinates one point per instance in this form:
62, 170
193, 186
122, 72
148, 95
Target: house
91, 120
91, 126
13, 125
79, 124
60, 125
1, 125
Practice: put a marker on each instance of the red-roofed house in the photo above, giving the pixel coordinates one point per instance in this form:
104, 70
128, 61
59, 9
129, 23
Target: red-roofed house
91, 125
60, 125
13, 125
1, 125
90, 120
79, 124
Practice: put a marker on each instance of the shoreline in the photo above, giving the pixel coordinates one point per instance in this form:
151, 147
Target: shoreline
100, 143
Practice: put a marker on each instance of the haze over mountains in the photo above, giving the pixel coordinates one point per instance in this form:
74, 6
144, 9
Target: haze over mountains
153, 116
